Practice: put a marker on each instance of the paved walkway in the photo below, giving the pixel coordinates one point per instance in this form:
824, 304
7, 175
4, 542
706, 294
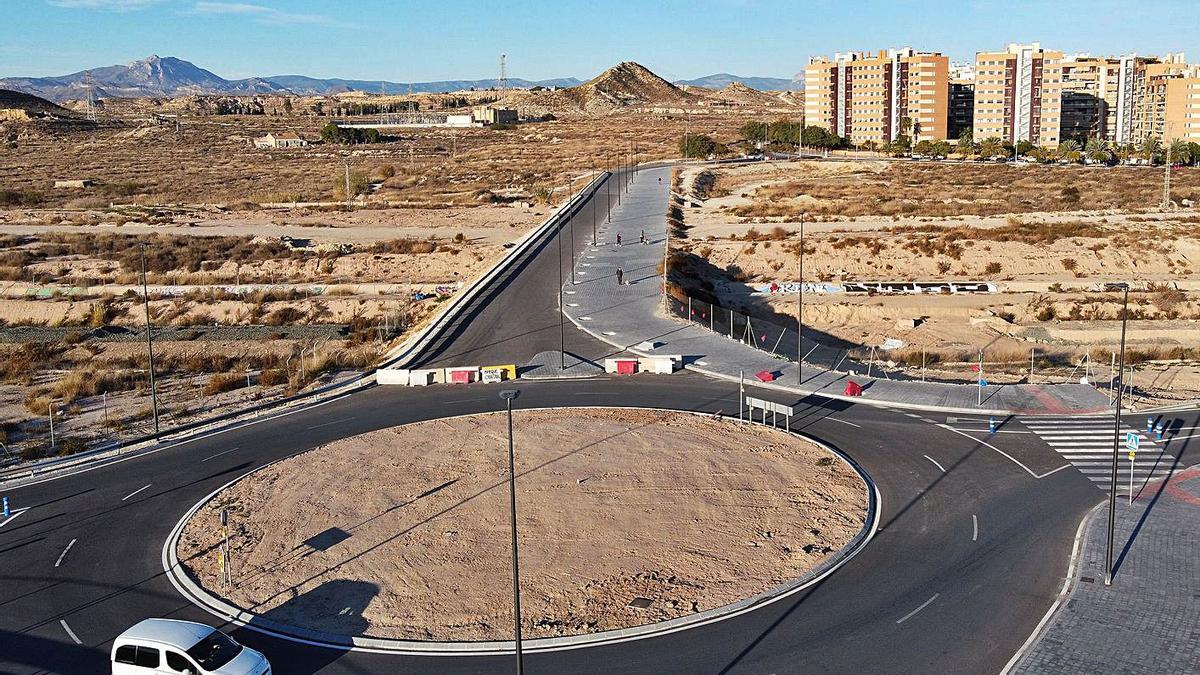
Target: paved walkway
1148, 621
629, 314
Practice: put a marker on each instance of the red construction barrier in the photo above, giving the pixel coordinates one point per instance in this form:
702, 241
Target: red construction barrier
460, 377
626, 367
853, 388
765, 376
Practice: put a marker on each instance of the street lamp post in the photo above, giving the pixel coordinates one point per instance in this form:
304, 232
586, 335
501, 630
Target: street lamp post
51, 411
594, 206
508, 395
149, 338
1112, 488
562, 331
800, 312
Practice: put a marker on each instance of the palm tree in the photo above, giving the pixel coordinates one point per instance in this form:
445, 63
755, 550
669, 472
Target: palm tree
991, 147
1148, 149
1179, 153
941, 149
966, 144
1069, 151
1124, 153
1098, 151
1042, 154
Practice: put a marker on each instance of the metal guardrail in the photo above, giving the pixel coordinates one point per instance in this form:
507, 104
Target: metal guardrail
411, 349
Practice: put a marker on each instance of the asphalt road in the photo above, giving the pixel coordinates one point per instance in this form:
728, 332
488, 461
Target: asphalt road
972, 548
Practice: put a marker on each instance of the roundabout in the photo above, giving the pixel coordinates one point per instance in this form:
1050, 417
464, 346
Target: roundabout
632, 522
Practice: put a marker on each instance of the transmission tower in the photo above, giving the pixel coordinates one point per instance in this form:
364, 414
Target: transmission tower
90, 88
502, 83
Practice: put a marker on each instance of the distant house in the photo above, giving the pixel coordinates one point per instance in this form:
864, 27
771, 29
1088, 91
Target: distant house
85, 183
486, 114
285, 139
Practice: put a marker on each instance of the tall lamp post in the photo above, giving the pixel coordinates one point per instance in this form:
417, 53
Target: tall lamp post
1112, 488
594, 206
800, 312
508, 395
149, 337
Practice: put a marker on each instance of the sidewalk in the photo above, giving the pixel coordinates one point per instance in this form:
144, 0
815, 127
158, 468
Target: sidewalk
1148, 621
626, 315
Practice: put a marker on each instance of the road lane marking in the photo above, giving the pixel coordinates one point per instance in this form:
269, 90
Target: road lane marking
1010, 457
935, 463
925, 604
226, 452
64, 553
318, 426
12, 515
844, 422
135, 492
974, 527
69, 631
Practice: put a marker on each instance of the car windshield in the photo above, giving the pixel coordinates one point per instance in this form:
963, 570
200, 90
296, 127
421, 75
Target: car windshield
214, 651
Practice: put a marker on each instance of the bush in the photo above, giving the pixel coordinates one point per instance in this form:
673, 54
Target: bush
993, 267
223, 382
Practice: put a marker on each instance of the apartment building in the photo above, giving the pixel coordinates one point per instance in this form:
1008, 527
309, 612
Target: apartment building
1090, 88
961, 101
1166, 101
878, 96
1018, 94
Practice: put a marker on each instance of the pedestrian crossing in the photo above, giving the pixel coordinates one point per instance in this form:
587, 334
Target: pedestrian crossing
1087, 443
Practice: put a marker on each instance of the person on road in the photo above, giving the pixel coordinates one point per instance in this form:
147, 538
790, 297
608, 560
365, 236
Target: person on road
618, 239
620, 277
643, 237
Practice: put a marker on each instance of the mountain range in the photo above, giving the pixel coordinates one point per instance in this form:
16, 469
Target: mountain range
722, 80
168, 76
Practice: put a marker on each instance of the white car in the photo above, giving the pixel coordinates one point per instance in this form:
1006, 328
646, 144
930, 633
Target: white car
179, 647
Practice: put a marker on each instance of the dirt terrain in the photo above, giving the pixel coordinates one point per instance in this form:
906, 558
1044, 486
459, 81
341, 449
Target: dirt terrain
401, 533
1048, 238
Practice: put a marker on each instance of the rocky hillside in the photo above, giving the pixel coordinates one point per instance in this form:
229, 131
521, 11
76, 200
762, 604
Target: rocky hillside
625, 85
18, 107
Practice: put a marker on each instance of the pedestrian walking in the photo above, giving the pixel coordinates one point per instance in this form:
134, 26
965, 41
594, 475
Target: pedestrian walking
643, 237
618, 239
620, 277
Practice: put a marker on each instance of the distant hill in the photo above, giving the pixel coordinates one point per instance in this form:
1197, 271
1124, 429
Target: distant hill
307, 86
19, 106
168, 76
626, 84
722, 80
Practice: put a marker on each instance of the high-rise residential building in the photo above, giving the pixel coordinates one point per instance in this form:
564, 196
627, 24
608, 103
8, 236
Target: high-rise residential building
878, 96
1018, 94
1090, 87
961, 103
1166, 101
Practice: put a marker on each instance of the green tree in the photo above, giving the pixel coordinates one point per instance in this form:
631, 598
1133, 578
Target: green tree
966, 144
1024, 147
1179, 152
754, 132
697, 145
1124, 152
991, 147
924, 148
359, 183
1098, 151
1148, 149
1070, 151
941, 149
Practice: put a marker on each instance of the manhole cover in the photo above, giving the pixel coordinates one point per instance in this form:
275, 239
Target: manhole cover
1087, 580
640, 603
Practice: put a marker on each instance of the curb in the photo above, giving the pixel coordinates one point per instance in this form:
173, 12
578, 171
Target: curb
221, 609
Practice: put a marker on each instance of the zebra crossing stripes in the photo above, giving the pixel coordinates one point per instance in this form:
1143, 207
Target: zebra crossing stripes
1086, 442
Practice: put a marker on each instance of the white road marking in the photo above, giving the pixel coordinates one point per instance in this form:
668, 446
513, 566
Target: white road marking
925, 604
325, 424
844, 422
1180, 438
69, 631
998, 431
935, 463
226, 452
1010, 457
12, 515
974, 527
135, 492
64, 553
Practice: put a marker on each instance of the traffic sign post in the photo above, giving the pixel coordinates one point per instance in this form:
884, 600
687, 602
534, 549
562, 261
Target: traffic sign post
7, 513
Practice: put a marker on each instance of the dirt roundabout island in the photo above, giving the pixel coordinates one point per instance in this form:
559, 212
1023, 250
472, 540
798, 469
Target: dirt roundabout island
403, 532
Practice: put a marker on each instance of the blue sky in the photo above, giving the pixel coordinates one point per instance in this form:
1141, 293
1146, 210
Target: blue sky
410, 40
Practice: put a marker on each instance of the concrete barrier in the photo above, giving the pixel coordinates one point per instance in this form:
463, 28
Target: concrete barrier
462, 375
621, 366
661, 365
421, 378
392, 376
499, 373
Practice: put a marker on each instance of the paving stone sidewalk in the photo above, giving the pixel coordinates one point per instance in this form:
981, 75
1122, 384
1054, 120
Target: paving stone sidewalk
1148, 621
630, 313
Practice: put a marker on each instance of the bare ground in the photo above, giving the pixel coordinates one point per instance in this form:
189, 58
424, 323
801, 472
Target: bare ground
691, 513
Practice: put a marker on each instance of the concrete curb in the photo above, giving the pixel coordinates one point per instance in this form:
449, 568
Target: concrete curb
238, 616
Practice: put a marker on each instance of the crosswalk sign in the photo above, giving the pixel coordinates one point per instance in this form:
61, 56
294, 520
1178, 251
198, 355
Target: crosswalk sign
1131, 441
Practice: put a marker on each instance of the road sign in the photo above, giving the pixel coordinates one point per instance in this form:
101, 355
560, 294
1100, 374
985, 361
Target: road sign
1131, 441
982, 382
